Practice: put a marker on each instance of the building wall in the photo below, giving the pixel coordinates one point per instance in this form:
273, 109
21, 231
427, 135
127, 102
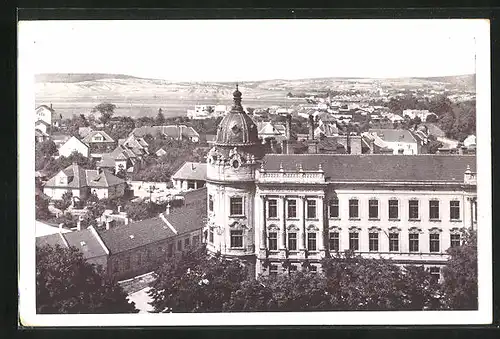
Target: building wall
408, 148
74, 145
323, 224
41, 126
146, 258
44, 114
56, 193
111, 192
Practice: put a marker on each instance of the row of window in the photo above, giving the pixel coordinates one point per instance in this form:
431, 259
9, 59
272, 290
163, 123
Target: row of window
373, 209
373, 241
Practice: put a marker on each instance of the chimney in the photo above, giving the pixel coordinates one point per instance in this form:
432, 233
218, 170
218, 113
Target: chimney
288, 126
79, 223
50, 105
311, 127
179, 127
193, 167
372, 146
108, 224
119, 209
167, 210
61, 227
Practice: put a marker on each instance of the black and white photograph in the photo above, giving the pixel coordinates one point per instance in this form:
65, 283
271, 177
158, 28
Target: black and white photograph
254, 172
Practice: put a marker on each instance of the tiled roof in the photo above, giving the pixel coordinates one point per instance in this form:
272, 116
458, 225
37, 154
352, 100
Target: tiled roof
210, 137
378, 167
192, 215
106, 137
102, 179
83, 240
51, 240
43, 122
394, 135
84, 131
106, 161
191, 171
60, 137
331, 145
40, 133
145, 130
80, 177
125, 237
43, 229
76, 177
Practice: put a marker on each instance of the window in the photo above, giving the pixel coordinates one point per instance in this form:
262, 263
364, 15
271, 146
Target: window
236, 206
354, 241
311, 209
373, 209
393, 209
454, 240
127, 262
236, 239
333, 241
292, 269
413, 242
434, 209
353, 208
273, 270
435, 274
313, 269
179, 245
196, 240
373, 241
211, 236
413, 209
210, 203
311, 241
170, 250
393, 242
272, 208
273, 241
292, 208
139, 258
191, 184
434, 242
454, 210
186, 242
292, 241
333, 206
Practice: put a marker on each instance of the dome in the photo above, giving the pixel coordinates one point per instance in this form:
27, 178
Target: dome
237, 128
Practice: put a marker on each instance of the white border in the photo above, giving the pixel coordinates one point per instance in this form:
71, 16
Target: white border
27, 59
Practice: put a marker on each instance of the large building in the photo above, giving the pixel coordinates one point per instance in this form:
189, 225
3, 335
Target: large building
285, 212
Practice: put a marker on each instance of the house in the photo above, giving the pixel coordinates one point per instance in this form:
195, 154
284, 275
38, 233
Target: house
175, 132
470, 141
270, 129
47, 114
87, 241
43, 126
128, 154
285, 212
191, 175
59, 139
137, 144
41, 136
401, 141
82, 182
161, 152
433, 129
84, 131
416, 113
74, 145
99, 142
135, 248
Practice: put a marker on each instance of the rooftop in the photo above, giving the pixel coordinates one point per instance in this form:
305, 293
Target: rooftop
191, 171
394, 135
378, 167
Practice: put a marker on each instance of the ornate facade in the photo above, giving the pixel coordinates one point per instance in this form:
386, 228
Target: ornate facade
286, 212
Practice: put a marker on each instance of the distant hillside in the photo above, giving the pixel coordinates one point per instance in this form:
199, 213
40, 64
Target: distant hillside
460, 81
78, 77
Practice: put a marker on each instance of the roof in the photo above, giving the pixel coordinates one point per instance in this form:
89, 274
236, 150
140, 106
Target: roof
79, 177
433, 129
39, 133
84, 131
60, 137
40, 121
394, 135
84, 240
145, 130
136, 234
102, 179
331, 145
88, 137
378, 167
191, 171
43, 229
106, 161
190, 217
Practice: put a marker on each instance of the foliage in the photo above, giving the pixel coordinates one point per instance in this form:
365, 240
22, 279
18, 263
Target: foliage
53, 166
120, 127
42, 208
195, 282
160, 118
46, 148
67, 283
433, 146
65, 201
106, 110
460, 275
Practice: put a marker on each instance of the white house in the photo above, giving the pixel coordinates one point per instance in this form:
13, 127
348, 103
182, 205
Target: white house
191, 175
42, 125
74, 145
47, 114
400, 141
470, 141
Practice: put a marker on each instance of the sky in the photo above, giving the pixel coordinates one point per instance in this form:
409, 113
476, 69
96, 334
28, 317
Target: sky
246, 50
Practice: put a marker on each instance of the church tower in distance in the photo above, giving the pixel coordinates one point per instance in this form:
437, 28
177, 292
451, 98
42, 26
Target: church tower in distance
231, 165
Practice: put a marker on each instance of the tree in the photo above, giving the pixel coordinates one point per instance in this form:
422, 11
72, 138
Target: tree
65, 201
46, 148
66, 283
160, 118
460, 275
42, 208
106, 110
196, 282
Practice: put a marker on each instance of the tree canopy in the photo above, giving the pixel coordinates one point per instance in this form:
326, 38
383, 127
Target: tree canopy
66, 283
106, 110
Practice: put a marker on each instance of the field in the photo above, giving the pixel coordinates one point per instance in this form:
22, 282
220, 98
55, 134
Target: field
78, 93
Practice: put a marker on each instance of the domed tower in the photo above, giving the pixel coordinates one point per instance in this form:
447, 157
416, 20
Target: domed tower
231, 166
